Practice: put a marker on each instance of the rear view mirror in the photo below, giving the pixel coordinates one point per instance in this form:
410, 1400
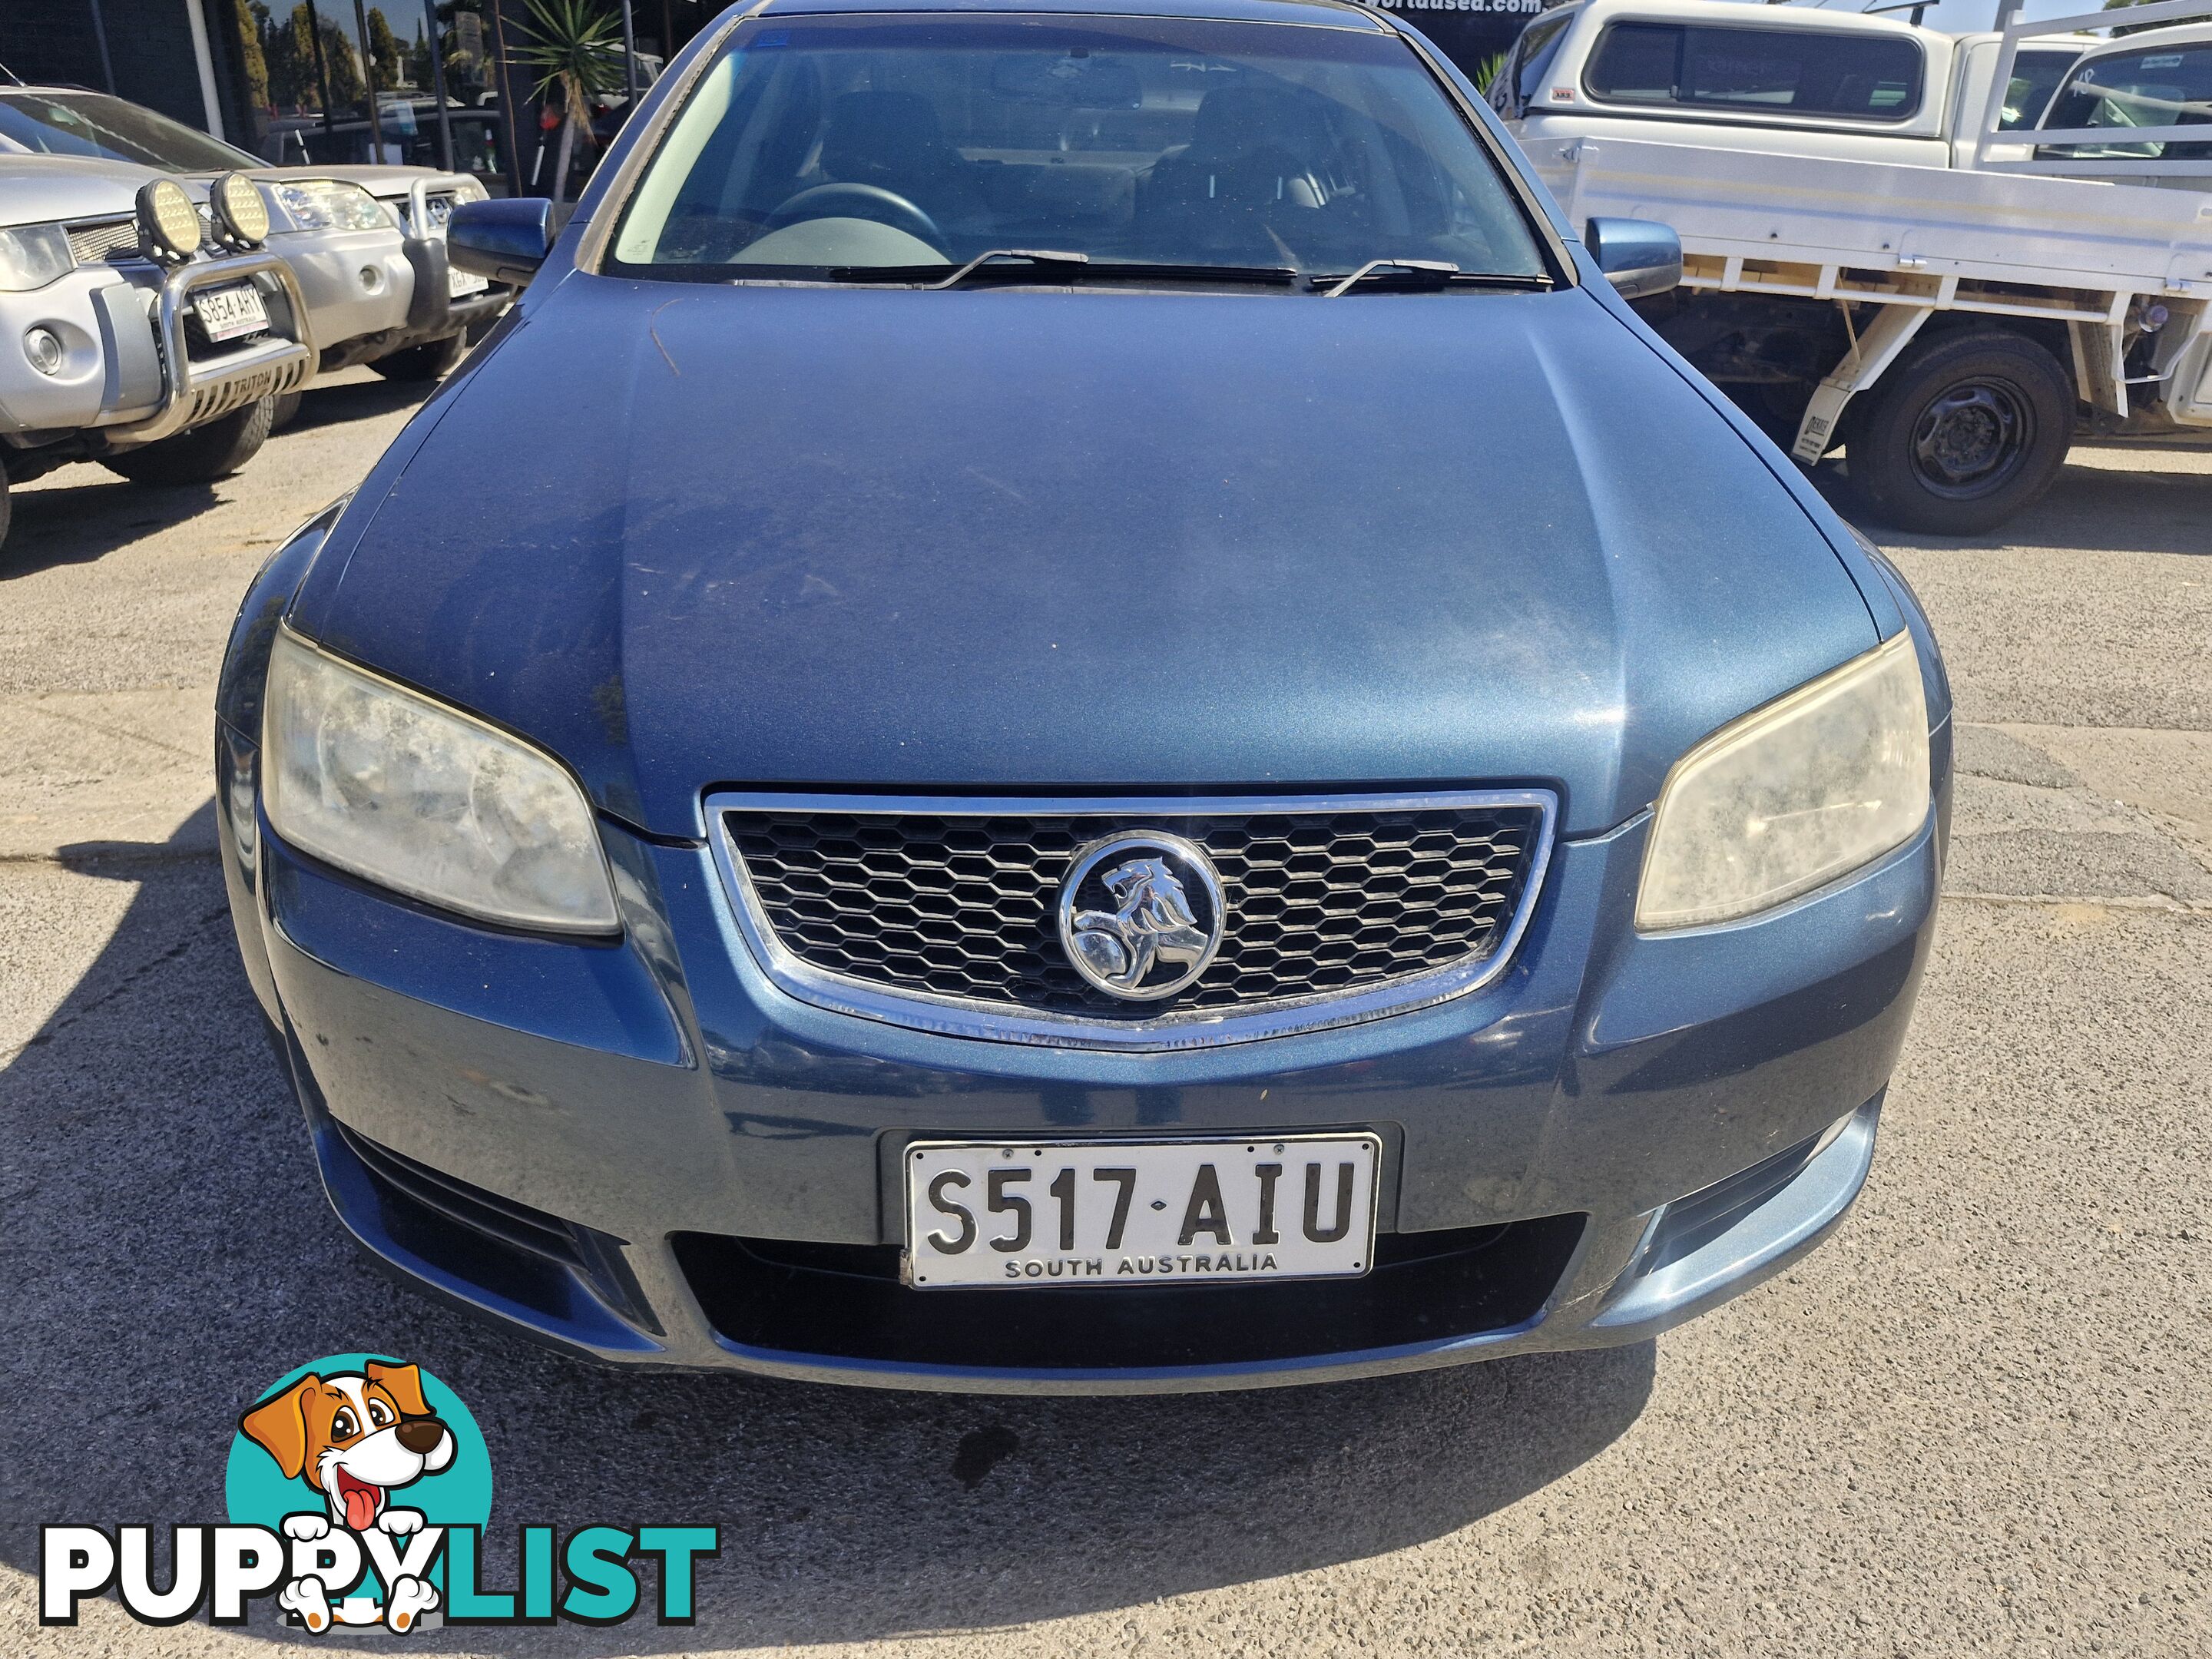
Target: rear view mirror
1638, 257
1069, 81
504, 239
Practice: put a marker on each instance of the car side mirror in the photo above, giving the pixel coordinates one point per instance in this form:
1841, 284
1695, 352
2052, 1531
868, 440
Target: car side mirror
504, 239
1637, 256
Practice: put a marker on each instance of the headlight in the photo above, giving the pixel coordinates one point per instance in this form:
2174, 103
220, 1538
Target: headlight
422, 798
30, 256
1792, 795
331, 205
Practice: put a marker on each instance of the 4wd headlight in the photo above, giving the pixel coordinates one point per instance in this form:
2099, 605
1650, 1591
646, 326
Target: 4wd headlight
169, 225
331, 205
30, 256
1792, 795
240, 209
384, 782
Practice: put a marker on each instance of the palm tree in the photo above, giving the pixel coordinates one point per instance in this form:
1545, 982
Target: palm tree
575, 47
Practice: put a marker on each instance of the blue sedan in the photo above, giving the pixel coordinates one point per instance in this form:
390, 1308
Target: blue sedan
1106, 723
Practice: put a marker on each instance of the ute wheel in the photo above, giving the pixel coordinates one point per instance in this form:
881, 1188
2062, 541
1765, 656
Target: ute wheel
288, 410
201, 455
1961, 435
433, 362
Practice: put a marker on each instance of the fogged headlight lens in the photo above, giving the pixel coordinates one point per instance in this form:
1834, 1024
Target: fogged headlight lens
419, 798
331, 205
1794, 795
30, 256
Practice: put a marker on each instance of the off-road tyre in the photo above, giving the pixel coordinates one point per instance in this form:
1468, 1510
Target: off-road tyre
202, 455
1962, 433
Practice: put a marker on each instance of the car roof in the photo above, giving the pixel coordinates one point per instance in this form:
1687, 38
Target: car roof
2181, 35
1331, 14
1734, 15
2029, 43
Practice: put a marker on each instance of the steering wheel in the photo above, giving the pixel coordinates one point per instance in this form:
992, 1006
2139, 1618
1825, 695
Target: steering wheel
855, 201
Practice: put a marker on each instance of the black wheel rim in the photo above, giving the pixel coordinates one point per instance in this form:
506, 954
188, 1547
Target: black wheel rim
1972, 439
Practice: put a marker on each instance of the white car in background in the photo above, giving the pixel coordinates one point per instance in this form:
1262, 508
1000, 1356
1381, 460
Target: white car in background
130, 338
367, 244
1787, 80
2158, 78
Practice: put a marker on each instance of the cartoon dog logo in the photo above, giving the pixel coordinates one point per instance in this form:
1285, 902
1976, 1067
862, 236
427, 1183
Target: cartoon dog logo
355, 1438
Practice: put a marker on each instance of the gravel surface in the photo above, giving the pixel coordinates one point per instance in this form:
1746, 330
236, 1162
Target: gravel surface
1971, 1423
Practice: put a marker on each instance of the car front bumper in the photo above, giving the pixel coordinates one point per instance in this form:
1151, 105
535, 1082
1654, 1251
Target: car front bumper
648, 1151
130, 374
370, 293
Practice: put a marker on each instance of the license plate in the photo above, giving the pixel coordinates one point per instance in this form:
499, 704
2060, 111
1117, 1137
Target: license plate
459, 282
227, 313
1037, 1215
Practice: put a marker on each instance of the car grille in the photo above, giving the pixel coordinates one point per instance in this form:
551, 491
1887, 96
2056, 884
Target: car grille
1321, 900
847, 1302
439, 213
96, 244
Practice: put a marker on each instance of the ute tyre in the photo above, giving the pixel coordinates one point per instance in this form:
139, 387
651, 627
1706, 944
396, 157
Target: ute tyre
1961, 435
288, 410
202, 455
5, 510
433, 362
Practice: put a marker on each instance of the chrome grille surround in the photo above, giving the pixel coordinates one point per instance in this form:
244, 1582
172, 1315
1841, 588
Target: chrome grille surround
1211, 1013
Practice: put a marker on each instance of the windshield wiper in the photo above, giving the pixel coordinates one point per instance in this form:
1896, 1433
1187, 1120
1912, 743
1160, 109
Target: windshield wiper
1422, 275
1077, 266
1028, 263
1177, 271
1043, 257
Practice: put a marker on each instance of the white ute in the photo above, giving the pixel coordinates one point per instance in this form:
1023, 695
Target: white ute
1950, 328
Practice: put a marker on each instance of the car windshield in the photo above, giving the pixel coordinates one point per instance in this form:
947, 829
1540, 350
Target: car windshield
93, 123
839, 146
2158, 87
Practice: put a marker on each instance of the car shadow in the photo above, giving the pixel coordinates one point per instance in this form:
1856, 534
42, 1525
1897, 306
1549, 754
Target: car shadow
171, 1254
2089, 510
80, 522
90, 512
356, 400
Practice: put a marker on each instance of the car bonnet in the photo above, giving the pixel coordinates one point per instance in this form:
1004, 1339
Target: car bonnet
689, 535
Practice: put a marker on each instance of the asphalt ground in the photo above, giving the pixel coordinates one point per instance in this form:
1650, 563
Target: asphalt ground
1974, 1422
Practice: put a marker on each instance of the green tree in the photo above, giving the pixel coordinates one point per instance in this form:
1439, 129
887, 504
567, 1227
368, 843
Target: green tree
344, 61
2118, 29
290, 63
296, 78
384, 56
576, 50
246, 22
